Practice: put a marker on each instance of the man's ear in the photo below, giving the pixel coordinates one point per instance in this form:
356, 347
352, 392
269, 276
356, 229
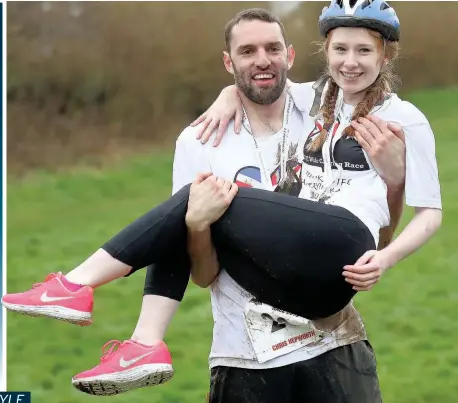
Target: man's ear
291, 56
228, 62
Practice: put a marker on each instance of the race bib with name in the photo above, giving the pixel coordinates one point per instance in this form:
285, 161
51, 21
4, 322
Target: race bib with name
274, 332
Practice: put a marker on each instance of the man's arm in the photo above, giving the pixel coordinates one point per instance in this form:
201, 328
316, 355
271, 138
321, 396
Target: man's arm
209, 198
205, 265
204, 261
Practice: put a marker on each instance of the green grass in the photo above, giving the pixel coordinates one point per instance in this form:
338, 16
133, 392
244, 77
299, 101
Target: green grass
57, 219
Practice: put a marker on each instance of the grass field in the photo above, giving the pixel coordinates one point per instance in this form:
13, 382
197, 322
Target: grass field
55, 220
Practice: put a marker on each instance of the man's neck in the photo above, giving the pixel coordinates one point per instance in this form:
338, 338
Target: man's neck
265, 120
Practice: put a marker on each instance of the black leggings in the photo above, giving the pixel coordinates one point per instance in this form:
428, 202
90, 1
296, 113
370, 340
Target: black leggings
287, 252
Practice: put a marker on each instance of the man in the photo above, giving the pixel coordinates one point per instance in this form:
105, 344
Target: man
341, 366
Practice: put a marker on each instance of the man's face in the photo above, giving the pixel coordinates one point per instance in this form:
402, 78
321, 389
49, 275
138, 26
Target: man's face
259, 60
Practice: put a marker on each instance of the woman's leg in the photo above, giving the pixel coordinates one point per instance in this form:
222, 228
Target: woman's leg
165, 284
164, 289
99, 269
290, 252
155, 316
158, 235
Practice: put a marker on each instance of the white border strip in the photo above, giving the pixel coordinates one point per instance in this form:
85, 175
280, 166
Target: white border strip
3, 263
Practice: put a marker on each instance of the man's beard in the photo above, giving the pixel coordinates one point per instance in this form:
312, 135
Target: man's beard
258, 95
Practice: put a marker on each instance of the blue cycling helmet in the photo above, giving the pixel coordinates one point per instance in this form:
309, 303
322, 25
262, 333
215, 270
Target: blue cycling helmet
373, 14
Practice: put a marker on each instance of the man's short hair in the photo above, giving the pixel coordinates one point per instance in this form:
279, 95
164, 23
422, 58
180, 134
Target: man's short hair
251, 14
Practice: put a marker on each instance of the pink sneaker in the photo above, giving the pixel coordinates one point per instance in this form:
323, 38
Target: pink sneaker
128, 367
51, 298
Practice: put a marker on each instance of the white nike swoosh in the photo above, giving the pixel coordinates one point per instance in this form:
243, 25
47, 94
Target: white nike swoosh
44, 298
125, 364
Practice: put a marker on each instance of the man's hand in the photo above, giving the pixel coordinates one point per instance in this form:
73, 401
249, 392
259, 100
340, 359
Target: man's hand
385, 144
367, 270
209, 198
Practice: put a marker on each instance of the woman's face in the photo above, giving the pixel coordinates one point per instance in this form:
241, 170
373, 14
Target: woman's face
355, 58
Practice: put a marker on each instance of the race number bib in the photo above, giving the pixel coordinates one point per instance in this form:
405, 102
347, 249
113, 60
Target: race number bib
274, 332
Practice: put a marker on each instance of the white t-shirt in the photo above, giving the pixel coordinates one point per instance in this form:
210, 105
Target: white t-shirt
358, 176
235, 159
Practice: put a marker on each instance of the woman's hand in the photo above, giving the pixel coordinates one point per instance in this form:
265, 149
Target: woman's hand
227, 106
367, 270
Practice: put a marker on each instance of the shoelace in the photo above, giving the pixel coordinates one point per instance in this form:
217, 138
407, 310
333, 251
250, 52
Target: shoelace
109, 348
49, 277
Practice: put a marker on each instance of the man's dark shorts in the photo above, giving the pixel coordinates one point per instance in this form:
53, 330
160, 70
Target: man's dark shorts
344, 375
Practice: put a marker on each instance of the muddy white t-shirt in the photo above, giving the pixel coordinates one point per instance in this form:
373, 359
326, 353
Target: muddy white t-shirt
235, 159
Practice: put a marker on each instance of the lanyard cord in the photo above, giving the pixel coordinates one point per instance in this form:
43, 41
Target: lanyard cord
266, 182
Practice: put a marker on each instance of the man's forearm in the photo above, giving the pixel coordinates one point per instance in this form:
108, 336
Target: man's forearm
204, 261
396, 205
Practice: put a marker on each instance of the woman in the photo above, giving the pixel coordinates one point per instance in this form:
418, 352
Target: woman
320, 290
